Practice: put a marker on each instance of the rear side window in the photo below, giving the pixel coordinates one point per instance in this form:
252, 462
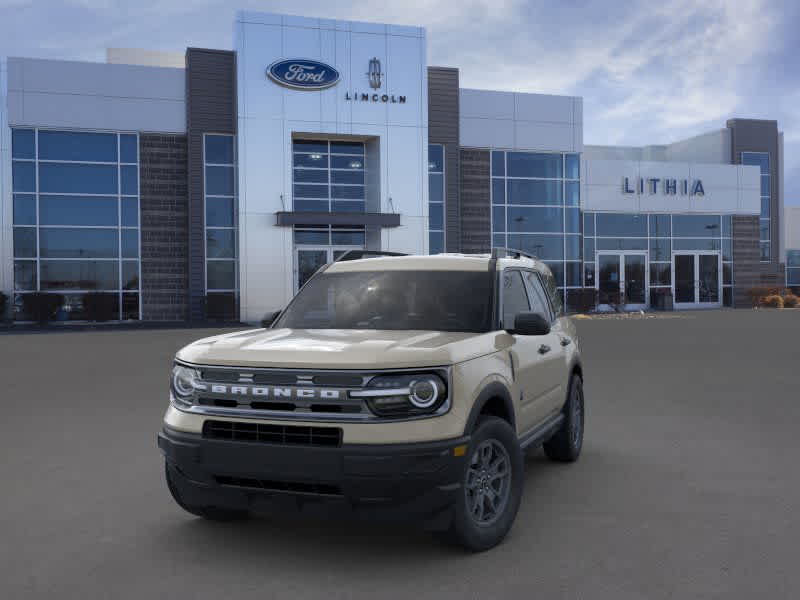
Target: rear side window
537, 295
515, 298
553, 292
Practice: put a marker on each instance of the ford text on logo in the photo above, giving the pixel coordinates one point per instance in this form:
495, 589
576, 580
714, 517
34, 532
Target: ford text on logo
302, 74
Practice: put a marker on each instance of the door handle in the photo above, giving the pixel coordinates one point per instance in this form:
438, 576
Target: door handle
565, 341
544, 349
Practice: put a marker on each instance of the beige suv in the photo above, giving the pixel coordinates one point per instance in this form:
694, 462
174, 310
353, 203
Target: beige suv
390, 386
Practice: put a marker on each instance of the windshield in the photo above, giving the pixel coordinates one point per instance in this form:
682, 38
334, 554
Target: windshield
427, 300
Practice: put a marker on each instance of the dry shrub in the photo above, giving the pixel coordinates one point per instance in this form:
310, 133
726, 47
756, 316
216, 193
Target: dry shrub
773, 301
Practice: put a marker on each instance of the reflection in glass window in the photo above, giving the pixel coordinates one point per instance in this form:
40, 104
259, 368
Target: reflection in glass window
221, 233
325, 173
78, 146
762, 160
436, 192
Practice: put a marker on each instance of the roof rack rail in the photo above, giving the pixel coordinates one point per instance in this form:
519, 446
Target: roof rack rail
359, 254
500, 252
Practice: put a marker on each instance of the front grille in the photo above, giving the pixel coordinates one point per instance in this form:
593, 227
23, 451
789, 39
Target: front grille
273, 434
295, 487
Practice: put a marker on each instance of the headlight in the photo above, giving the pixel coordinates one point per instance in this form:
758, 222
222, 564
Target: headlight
184, 380
404, 394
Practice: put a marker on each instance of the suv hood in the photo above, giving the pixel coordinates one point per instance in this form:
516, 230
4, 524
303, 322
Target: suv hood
338, 348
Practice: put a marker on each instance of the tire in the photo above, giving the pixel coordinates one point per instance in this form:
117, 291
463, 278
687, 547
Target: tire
566, 444
482, 518
212, 513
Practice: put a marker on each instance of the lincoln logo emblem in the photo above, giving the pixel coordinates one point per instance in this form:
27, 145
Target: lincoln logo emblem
374, 74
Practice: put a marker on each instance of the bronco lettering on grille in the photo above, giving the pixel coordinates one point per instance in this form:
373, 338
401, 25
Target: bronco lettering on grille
271, 392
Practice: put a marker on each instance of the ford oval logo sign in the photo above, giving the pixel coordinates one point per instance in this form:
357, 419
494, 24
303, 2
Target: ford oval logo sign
303, 74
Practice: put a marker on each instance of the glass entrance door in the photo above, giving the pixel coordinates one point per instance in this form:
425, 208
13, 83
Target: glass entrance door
622, 280
697, 279
308, 261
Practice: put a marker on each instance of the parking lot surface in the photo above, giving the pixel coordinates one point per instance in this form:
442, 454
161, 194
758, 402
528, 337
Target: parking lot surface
688, 486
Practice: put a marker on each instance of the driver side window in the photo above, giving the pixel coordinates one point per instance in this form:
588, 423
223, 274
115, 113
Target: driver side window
515, 298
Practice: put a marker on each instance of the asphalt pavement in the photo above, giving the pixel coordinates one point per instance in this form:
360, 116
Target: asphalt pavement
688, 486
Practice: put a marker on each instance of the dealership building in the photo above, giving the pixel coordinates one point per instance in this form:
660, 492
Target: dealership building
213, 183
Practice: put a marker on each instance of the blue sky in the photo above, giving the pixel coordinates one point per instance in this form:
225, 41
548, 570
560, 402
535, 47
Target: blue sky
649, 72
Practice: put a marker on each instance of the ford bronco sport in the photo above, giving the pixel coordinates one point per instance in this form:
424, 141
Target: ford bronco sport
390, 385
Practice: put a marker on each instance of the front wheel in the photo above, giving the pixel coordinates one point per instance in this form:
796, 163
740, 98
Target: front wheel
566, 444
492, 481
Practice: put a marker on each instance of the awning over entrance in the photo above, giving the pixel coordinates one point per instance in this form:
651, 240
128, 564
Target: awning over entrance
288, 219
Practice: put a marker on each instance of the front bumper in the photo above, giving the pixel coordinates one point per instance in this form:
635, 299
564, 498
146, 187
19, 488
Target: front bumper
392, 480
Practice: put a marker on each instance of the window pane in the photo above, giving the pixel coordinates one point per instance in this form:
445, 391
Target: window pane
793, 258
311, 237
727, 273
572, 244
588, 224
24, 209
219, 181
498, 218
759, 159
348, 206
436, 243
765, 185
311, 175
793, 277
348, 238
221, 274
78, 243
624, 225
435, 158
498, 191
77, 179
572, 220
763, 229
695, 244
660, 249
727, 297
696, 225
573, 166
765, 251
130, 212
546, 247
436, 216
23, 144
499, 240
353, 177
347, 192
75, 145
436, 187
557, 268
311, 205
545, 220
572, 189
347, 148
660, 274
588, 274
572, 274
529, 164
660, 226
315, 161
521, 191
219, 212
621, 244
128, 148
130, 307
220, 243
79, 275
25, 242
588, 249
344, 162
130, 274
498, 163
130, 243
515, 298
727, 226
219, 149
129, 180
77, 210
310, 146
310, 191
25, 275
23, 176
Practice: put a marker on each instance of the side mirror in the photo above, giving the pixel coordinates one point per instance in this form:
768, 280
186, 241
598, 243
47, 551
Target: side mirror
530, 323
269, 319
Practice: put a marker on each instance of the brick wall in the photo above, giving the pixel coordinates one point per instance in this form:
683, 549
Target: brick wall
746, 266
476, 216
165, 231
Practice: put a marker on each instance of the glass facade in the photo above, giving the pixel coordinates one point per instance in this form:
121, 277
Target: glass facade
221, 223
793, 268
761, 160
328, 176
435, 198
536, 209
660, 235
76, 219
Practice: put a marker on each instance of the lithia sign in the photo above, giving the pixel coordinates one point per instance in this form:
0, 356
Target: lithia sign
667, 186
306, 74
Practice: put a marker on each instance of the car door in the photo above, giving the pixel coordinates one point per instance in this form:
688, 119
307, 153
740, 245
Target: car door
528, 354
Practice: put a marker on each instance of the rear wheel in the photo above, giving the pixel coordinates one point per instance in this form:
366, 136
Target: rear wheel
566, 444
212, 513
487, 504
